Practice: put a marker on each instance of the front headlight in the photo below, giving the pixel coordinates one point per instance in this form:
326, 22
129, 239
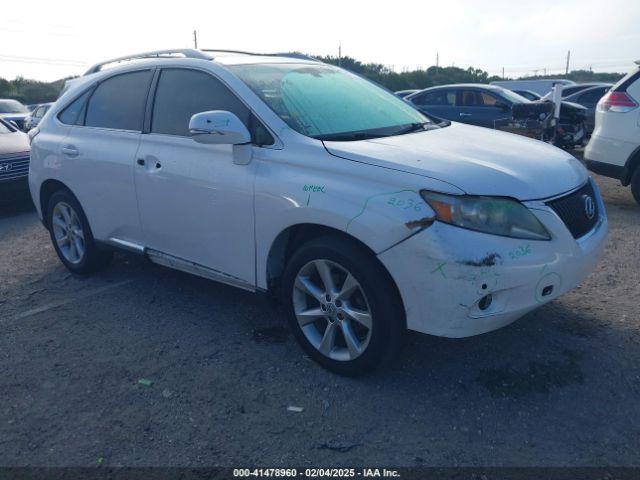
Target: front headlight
495, 215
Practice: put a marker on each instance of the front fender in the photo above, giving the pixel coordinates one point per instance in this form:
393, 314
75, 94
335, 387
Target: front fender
377, 206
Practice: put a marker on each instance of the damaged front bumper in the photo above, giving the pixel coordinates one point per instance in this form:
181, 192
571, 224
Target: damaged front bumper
458, 283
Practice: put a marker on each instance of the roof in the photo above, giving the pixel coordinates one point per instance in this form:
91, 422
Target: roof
225, 57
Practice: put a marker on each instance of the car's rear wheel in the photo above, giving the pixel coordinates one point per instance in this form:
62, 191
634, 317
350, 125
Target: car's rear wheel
635, 185
72, 237
342, 305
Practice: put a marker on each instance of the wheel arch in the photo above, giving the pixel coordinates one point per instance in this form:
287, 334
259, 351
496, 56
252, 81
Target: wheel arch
294, 236
47, 189
632, 163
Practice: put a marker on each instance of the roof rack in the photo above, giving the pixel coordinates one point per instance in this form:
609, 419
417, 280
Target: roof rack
186, 52
299, 56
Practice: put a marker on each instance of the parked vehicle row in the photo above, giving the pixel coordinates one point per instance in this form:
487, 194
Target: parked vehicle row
23, 117
493, 107
299, 178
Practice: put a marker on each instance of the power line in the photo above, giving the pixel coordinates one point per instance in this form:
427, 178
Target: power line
43, 61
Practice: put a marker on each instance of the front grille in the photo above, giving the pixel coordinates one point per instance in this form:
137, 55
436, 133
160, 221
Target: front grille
574, 208
14, 166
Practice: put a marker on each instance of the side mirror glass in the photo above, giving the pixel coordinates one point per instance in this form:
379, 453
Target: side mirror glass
218, 127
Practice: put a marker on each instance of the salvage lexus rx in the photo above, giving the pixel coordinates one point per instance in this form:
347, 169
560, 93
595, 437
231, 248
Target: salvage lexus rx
288, 175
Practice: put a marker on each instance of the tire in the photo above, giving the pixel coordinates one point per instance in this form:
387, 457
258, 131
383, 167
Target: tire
70, 232
635, 185
358, 346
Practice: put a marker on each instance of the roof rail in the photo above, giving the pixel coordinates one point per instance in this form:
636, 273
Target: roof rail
187, 52
299, 56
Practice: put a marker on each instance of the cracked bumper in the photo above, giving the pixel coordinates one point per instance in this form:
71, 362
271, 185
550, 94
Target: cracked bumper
443, 272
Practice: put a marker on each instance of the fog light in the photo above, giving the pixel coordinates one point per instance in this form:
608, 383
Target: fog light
485, 302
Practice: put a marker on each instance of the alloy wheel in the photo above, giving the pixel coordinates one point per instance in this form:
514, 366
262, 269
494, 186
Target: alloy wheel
332, 310
68, 232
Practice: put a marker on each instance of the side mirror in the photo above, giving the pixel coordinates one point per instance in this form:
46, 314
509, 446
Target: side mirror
218, 127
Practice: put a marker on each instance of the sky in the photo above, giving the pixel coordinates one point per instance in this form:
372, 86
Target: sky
47, 40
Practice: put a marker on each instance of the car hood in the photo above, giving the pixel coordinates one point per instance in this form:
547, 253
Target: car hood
15, 142
479, 161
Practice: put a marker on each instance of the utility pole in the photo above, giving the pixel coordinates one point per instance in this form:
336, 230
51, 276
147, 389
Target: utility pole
195, 39
339, 54
568, 57
503, 73
437, 59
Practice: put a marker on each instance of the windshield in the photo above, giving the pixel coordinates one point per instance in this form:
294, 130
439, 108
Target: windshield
12, 106
328, 103
513, 97
4, 128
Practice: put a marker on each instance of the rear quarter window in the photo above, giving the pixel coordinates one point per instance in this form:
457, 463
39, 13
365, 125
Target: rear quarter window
73, 113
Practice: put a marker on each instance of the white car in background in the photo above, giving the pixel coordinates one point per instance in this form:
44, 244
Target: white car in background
614, 148
296, 177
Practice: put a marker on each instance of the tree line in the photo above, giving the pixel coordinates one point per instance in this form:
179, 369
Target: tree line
34, 91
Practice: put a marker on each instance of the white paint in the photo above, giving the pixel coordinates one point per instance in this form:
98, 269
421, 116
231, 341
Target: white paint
218, 216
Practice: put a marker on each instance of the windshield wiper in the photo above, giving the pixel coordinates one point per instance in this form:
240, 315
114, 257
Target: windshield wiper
348, 136
415, 127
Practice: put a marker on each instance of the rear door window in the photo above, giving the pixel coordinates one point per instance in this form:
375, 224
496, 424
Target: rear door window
119, 102
436, 98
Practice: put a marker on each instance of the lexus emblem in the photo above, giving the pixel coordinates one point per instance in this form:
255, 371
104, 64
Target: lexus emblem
589, 206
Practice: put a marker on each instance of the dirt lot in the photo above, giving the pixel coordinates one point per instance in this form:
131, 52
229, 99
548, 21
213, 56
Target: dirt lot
561, 386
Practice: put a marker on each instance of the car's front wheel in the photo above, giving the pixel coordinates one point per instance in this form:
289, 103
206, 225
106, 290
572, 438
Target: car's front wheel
342, 305
71, 235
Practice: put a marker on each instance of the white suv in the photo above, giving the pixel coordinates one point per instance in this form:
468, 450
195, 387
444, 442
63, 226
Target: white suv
614, 148
295, 177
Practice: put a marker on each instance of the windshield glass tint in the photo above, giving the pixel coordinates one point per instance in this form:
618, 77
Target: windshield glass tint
322, 101
12, 106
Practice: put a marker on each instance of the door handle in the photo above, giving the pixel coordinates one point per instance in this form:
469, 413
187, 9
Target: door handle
465, 114
70, 151
140, 162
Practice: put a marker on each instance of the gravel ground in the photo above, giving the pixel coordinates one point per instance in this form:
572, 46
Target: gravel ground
561, 386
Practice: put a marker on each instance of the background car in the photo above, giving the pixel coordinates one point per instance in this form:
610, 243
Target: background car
35, 116
540, 86
570, 90
491, 106
14, 161
528, 94
13, 111
404, 93
614, 148
589, 98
